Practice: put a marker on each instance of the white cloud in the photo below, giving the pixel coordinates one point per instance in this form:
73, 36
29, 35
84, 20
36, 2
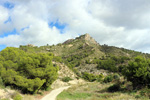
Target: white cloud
127, 13
4, 15
119, 23
11, 40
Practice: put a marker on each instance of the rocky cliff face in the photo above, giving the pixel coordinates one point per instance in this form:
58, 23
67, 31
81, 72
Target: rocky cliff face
87, 38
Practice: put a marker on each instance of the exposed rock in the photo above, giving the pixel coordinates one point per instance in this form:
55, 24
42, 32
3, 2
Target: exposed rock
70, 45
30, 45
64, 71
47, 49
91, 68
87, 38
68, 41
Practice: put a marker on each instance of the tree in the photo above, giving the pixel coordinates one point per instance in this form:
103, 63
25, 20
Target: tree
11, 53
138, 72
9, 76
10, 65
27, 71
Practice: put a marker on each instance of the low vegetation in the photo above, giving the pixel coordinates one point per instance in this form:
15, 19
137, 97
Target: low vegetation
66, 79
97, 91
103, 91
17, 96
91, 77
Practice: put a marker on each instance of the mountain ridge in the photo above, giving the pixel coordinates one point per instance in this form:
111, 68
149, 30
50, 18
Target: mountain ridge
86, 37
83, 54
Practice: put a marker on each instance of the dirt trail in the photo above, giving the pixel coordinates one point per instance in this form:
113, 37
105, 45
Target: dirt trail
53, 94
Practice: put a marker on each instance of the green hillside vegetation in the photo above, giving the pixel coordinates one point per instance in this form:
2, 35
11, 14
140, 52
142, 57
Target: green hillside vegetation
29, 68
84, 50
28, 72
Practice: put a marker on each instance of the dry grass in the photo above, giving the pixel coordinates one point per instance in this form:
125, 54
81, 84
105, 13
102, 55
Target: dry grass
28, 97
97, 91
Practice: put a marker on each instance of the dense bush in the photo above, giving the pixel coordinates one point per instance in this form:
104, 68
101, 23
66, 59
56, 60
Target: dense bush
17, 96
108, 78
66, 79
91, 77
145, 92
100, 77
116, 76
88, 76
114, 88
27, 72
138, 72
1, 83
110, 63
57, 59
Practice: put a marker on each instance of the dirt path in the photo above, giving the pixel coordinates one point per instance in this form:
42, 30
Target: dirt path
53, 94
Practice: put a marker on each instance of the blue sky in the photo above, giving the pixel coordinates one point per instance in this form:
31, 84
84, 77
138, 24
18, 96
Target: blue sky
6, 34
2, 47
58, 25
116, 23
8, 5
8, 20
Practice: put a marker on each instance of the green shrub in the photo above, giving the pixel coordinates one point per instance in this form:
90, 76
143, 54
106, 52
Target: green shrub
57, 59
89, 77
108, 78
77, 78
138, 72
17, 96
145, 92
138, 96
114, 88
1, 83
116, 76
108, 64
66, 79
4, 99
48, 88
100, 77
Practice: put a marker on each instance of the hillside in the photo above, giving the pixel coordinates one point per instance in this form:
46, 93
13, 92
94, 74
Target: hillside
84, 54
32, 69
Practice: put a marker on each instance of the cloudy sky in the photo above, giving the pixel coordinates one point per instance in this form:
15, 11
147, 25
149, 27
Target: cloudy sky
122, 23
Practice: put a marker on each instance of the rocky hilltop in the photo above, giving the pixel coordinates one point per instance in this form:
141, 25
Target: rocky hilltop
83, 54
